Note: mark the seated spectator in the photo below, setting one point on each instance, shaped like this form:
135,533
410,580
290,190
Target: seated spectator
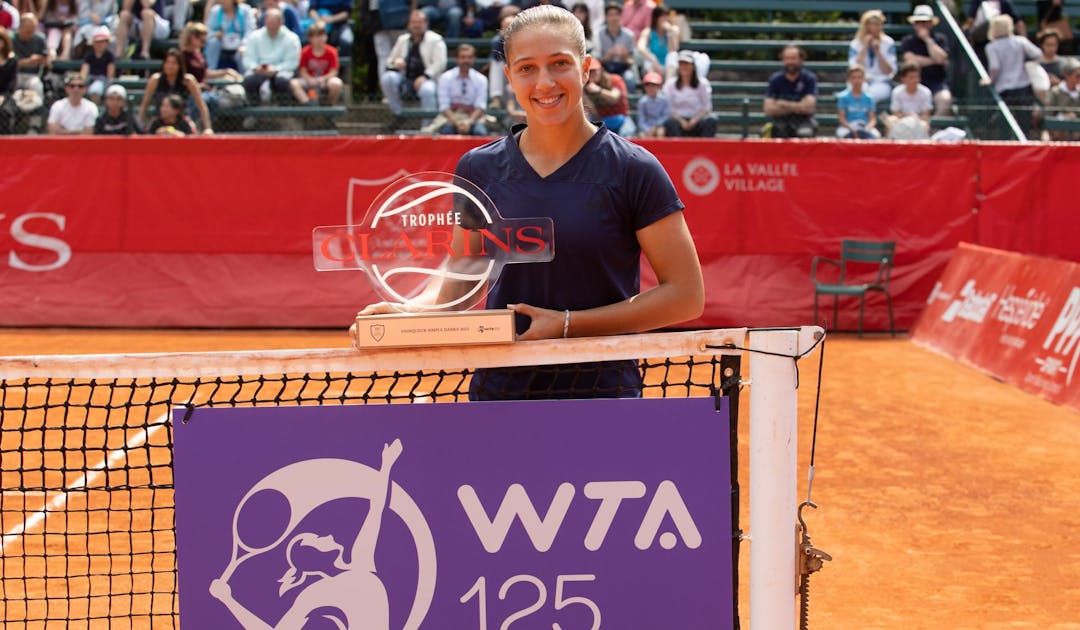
94,15
73,115
318,71
60,23
653,108
271,57
497,63
149,22
690,100
791,98
636,15
9,70
1007,53
875,51
592,36
930,51
229,24
855,109
289,14
910,107
32,55
981,12
9,16
658,44
192,40
1064,101
99,65
463,93
170,120
1050,14
174,79
617,45
116,120
1049,41
607,92
481,16
335,15
446,14
417,58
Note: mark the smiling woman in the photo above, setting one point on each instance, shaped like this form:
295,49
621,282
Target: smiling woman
610,200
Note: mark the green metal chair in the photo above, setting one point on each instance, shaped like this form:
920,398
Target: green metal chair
858,254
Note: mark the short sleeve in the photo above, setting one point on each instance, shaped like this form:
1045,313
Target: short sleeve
651,193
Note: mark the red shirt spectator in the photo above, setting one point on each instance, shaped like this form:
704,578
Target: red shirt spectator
636,15
319,65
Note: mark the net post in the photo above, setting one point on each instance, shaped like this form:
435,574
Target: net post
773,451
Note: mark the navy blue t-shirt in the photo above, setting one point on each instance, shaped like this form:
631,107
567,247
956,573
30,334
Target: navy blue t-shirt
597,200
780,87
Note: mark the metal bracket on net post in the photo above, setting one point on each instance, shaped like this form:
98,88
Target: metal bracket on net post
773,476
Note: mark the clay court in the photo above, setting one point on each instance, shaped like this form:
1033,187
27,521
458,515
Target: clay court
948,500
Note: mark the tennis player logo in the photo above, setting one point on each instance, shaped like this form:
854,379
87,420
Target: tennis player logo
325,581
432,242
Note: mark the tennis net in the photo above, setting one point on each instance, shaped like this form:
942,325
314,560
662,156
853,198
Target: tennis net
87,487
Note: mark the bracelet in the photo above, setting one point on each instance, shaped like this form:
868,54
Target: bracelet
566,325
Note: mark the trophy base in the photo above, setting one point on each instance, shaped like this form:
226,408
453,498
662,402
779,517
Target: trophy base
408,330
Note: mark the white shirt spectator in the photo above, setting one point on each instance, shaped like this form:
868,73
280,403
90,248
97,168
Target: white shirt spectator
1007,56
455,90
919,103
688,102
71,117
282,53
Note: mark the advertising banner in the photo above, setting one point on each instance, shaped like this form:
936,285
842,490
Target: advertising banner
1016,317
568,514
115,231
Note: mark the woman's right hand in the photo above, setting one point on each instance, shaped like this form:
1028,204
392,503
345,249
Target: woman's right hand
382,308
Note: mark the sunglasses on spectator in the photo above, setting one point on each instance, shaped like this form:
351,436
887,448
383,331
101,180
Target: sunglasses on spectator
76,85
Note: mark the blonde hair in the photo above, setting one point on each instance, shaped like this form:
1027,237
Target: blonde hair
866,17
1000,26
547,15
191,29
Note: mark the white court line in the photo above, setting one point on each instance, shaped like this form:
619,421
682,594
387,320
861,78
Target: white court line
91,476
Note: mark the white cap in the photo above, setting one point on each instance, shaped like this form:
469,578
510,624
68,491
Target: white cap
116,90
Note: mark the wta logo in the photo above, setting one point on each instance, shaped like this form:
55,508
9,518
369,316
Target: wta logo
432,241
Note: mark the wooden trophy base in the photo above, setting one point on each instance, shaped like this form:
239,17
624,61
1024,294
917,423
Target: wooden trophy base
409,330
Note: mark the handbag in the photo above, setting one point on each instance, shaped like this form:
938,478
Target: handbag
231,96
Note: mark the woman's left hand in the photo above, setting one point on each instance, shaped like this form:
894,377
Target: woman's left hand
546,323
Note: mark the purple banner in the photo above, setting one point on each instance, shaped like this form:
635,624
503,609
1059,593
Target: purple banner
572,515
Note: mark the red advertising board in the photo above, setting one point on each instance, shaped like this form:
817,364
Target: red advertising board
115,232
1014,316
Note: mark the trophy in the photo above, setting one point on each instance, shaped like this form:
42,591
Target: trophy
431,246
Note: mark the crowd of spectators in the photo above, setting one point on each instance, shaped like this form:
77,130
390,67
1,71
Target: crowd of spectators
642,80
238,55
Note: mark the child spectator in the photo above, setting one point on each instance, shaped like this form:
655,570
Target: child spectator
855,109
99,65
170,120
318,71
73,115
653,108
1049,41
116,120
910,108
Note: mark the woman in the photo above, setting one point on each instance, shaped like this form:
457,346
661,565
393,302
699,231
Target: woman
592,39
93,14
1049,41
659,40
192,40
1007,54
229,23
875,51
690,100
9,68
610,200
60,25
173,78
